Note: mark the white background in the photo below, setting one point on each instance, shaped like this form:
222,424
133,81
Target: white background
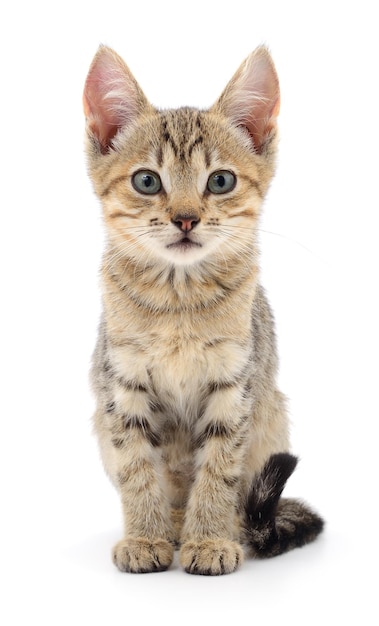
59,515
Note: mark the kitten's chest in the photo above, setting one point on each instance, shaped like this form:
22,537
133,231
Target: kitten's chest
178,372
179,368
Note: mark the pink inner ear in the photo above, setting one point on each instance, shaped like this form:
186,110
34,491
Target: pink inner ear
262,87
110,98
260,121
103,125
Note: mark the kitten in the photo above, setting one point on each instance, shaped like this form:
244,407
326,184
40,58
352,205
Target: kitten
192,429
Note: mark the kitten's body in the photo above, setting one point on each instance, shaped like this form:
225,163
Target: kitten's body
189,417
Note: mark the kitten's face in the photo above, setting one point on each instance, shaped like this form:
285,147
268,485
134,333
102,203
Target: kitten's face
182,187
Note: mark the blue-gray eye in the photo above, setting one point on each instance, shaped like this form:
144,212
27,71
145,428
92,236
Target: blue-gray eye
221,182
146,182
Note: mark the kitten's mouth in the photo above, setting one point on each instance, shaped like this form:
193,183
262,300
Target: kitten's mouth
184,244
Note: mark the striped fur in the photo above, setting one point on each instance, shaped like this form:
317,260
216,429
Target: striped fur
188,412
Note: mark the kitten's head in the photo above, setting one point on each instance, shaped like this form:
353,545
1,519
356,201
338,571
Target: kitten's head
181,186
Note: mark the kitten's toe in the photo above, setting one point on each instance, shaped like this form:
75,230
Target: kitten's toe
211,557
140,555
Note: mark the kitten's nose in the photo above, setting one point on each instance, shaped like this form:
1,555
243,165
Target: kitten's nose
185,222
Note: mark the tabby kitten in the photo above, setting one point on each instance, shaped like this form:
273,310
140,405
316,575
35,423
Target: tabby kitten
192,428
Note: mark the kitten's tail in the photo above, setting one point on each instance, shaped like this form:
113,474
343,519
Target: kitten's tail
274,526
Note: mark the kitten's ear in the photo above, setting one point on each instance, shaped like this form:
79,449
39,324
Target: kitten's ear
252,97
112,97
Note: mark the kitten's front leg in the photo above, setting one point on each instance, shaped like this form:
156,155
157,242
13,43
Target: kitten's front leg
146,546
208,542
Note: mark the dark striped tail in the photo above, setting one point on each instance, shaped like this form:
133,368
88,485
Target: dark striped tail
275,526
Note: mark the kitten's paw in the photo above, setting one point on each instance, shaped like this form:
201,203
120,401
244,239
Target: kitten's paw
211,557
140,555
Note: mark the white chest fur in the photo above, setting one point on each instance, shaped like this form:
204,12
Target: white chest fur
179,371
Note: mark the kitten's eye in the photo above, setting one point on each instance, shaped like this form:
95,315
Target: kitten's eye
146,182
221,182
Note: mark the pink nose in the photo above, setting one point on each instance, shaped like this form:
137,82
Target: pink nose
185,222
